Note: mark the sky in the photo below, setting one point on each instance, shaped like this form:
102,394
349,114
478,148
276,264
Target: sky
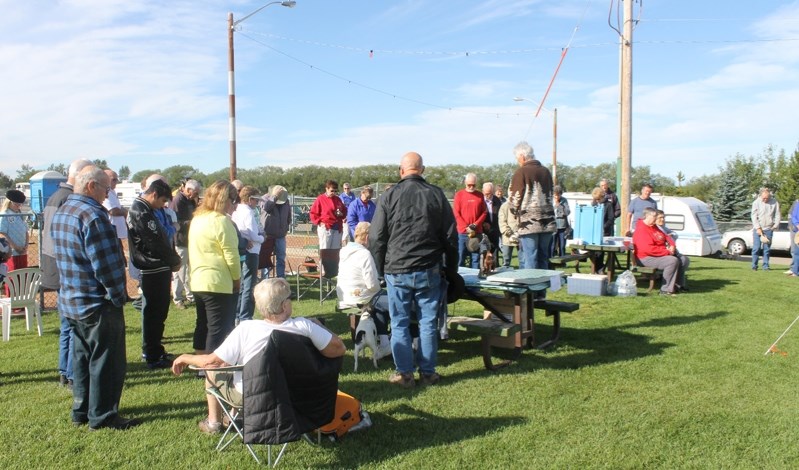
356,82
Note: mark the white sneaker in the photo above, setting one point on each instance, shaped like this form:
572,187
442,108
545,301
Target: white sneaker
382,351
787,272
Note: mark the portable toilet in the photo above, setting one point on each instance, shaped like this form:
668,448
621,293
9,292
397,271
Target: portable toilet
43,185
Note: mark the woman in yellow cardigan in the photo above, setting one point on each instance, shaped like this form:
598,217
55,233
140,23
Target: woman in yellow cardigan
215,266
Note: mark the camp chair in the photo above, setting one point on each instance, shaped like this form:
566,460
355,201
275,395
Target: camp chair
23,285
306,381
322,274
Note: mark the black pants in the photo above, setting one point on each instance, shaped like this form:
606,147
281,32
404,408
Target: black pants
156,295
216,318
98,365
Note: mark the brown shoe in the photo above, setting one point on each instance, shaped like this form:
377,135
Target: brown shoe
209,427
403,380
429,379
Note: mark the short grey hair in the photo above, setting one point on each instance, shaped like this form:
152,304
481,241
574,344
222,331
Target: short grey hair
470,176
193,184
525,150
764,190
87,175
488,184
76,166
269,296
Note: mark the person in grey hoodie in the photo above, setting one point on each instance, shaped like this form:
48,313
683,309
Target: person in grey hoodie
765,219
275,218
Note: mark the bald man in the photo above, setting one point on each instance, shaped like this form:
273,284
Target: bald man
412,230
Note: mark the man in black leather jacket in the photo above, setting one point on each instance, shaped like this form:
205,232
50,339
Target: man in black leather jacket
151,251
412,231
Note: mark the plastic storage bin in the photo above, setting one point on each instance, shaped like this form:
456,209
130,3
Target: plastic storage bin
588,284
588,224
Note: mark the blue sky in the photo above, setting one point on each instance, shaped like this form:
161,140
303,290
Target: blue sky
144,83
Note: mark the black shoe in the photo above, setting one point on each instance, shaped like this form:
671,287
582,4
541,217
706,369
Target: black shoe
80,422
119,423
62,380
159,364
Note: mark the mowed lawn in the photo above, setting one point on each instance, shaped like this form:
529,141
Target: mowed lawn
645,382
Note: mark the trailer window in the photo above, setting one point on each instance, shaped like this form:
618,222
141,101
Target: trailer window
706,222
675,222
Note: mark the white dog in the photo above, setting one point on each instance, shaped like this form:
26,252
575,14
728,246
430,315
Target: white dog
366,337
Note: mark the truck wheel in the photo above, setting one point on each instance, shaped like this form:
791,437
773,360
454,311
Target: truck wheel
736,246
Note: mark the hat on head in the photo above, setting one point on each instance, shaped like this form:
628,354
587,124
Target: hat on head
280,194
14,195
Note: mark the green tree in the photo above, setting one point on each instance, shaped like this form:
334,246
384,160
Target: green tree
732,200
58,167
24,173
702,187
124,172
143,174
5,181
101,163
176,174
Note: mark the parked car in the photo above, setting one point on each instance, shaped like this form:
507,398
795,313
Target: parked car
740,241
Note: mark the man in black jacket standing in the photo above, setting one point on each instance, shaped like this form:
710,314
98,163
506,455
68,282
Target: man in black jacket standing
412,230
184,204
151,251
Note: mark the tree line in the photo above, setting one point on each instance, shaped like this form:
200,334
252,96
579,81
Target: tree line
730,191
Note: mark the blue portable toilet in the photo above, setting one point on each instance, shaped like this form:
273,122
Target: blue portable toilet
43,185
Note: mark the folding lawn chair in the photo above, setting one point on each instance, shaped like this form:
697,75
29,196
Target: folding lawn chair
322,274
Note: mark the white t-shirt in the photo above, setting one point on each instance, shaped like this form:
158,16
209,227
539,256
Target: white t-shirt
112,202
250,338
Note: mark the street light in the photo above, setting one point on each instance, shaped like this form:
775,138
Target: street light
231,83
554,113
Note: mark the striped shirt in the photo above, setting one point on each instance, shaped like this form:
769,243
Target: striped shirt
88,257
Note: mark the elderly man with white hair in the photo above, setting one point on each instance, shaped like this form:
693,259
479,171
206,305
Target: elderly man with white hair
530,199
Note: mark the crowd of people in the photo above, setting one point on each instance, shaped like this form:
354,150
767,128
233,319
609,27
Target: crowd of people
225,255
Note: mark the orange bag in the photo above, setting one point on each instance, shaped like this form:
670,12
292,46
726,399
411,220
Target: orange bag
348,414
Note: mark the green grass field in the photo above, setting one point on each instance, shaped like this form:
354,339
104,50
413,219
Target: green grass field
634,383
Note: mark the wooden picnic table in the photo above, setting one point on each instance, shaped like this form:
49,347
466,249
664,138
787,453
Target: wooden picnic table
612,261
510,297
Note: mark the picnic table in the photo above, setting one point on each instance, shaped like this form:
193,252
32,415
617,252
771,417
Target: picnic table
613,250
510,297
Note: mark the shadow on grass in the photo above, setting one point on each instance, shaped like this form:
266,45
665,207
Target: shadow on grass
399,431
678,320
14,377
707,285
590,347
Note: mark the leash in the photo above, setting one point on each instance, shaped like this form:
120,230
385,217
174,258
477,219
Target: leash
773,347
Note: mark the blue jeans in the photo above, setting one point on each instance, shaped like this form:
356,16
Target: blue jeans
535,249
463,253
421,289
280,257
99,364
66,348
245,305
794,255
757,245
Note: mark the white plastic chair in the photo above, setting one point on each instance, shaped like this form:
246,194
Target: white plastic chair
23,285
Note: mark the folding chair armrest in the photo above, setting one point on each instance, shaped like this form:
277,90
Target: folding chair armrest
219,368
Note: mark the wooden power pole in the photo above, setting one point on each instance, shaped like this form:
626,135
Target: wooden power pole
626,122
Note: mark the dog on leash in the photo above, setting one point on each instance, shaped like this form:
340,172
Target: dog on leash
366,337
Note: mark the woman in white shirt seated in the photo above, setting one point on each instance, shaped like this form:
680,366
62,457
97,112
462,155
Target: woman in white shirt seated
359,285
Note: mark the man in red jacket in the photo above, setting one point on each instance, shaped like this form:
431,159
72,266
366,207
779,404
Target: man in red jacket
655,249
329,213
470,213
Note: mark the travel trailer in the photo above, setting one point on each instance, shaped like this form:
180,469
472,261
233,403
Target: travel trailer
690,218
127,192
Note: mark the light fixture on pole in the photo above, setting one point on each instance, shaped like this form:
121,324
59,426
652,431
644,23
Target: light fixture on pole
554,113
231,83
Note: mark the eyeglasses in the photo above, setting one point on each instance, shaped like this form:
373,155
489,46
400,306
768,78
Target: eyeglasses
106,188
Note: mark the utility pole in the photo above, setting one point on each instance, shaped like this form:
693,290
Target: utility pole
626,131
555,146
231,90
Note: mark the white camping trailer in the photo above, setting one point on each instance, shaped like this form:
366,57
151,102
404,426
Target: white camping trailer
690,218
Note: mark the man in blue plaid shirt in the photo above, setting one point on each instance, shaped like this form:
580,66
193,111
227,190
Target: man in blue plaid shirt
92,271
